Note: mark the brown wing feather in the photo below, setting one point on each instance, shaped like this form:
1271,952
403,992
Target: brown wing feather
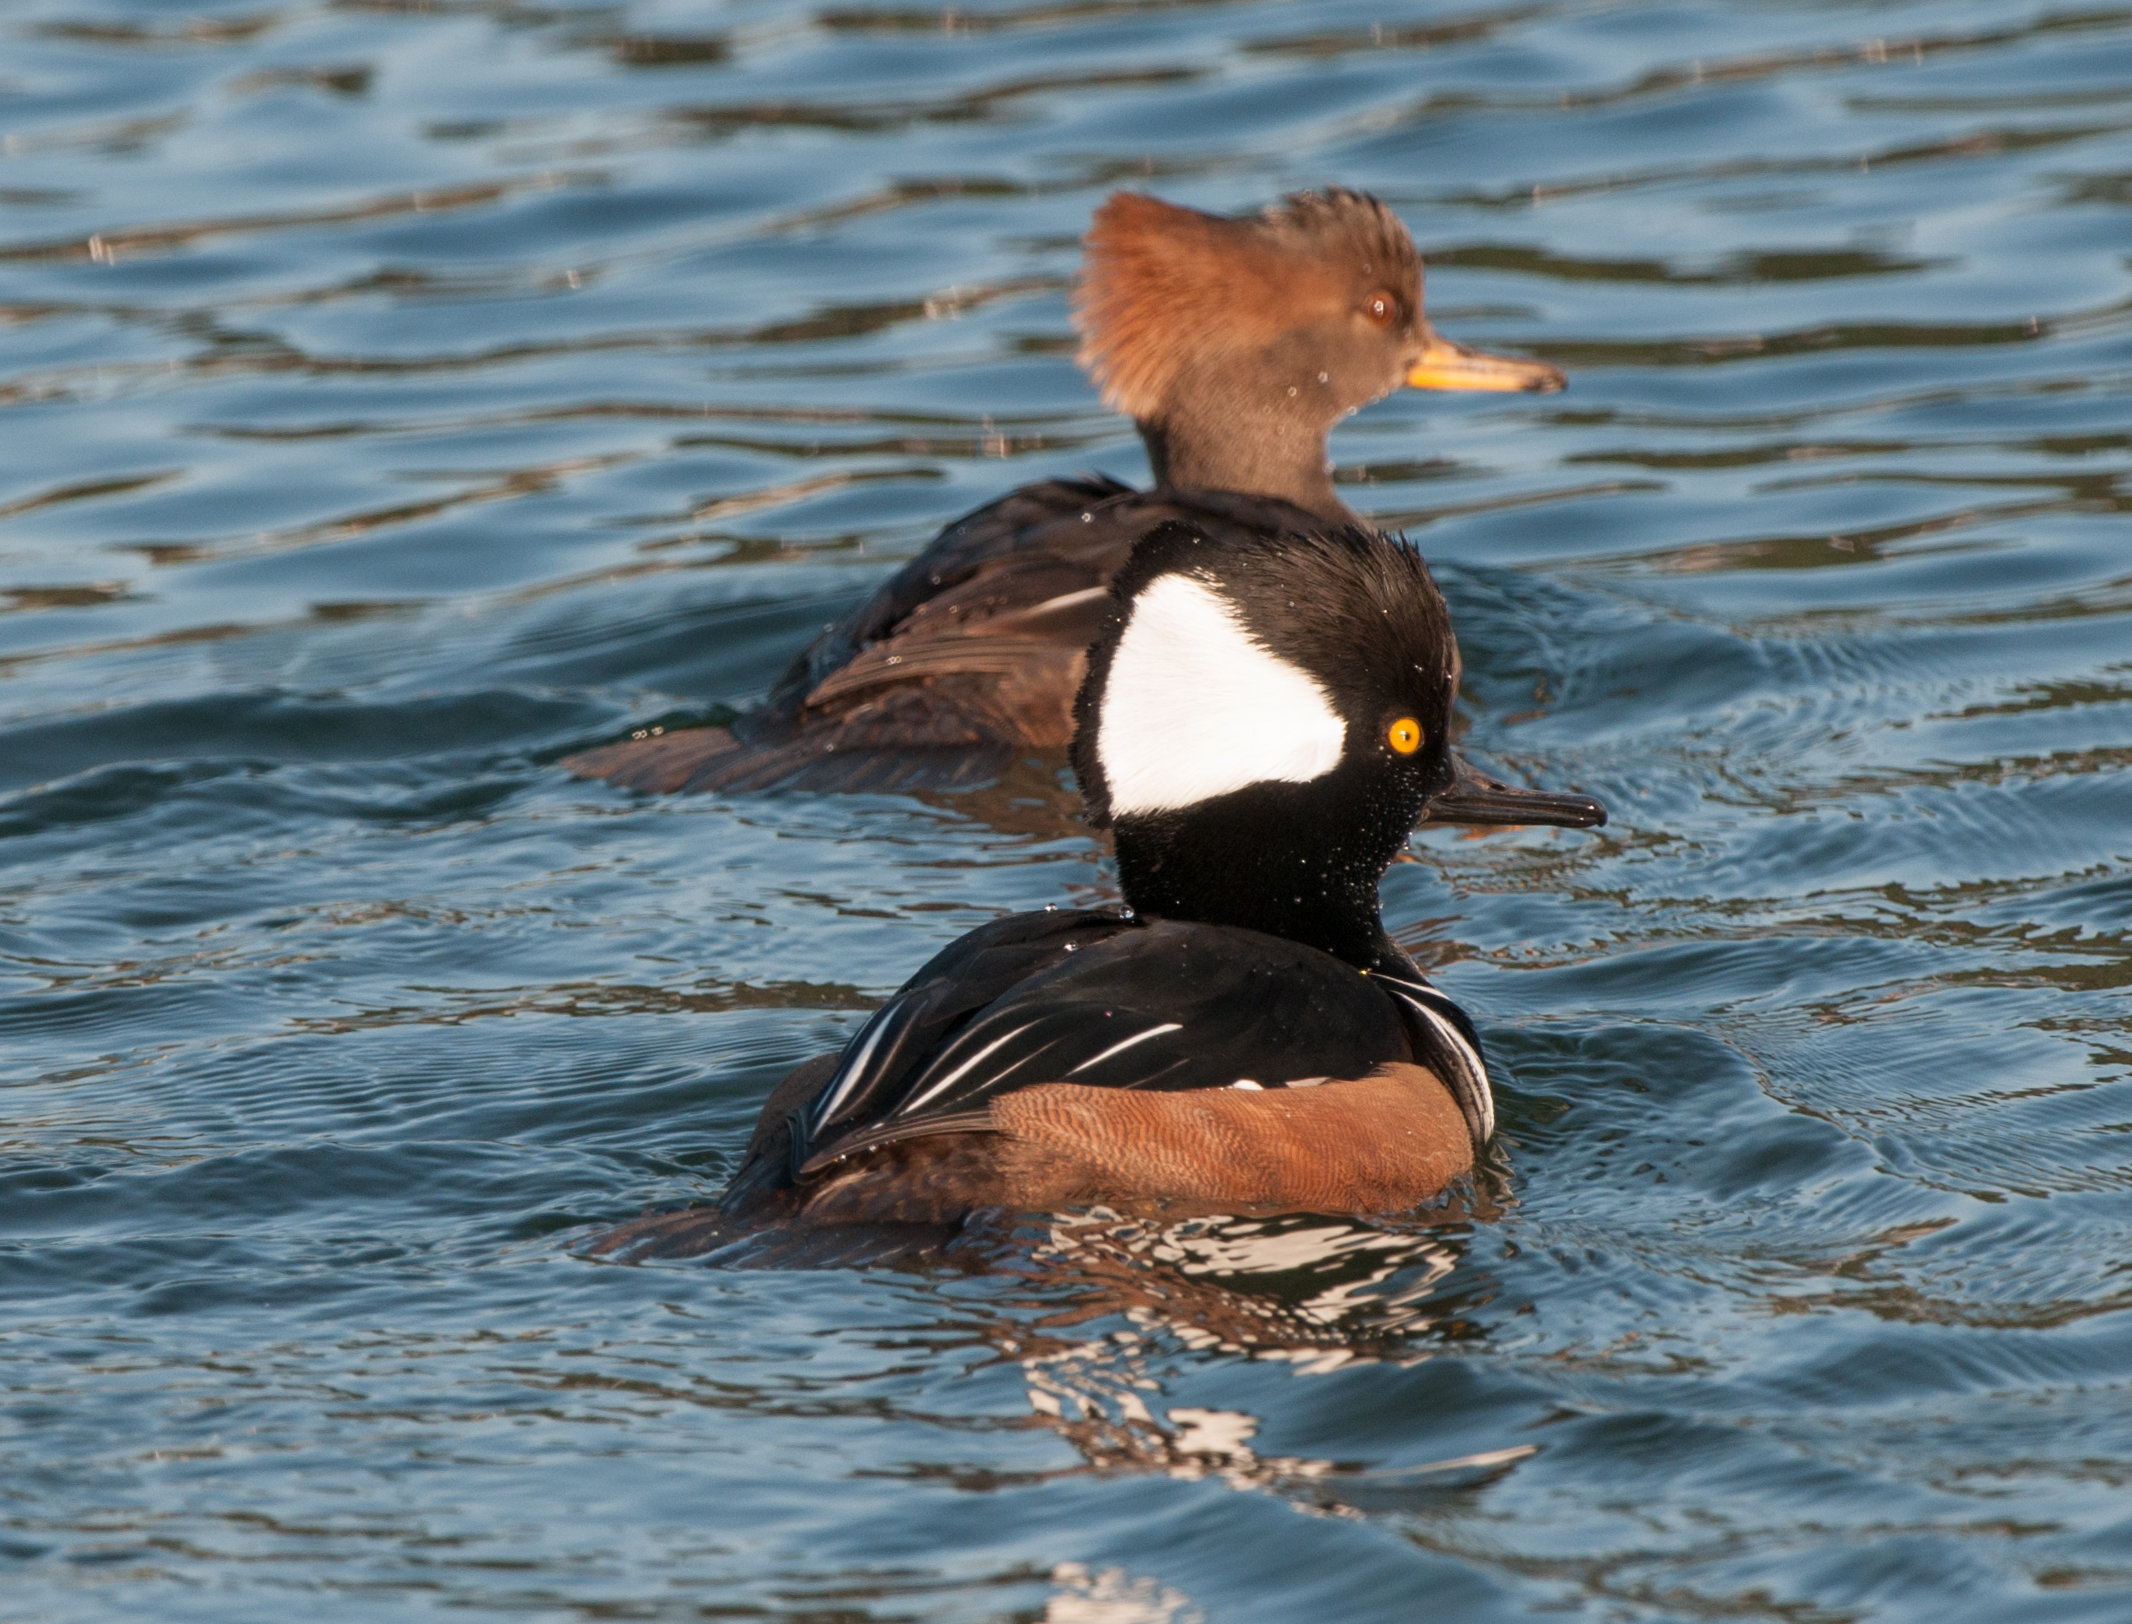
1377,1144
968,657
658,765
1382,1143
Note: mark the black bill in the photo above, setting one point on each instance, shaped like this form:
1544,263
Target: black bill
1474,797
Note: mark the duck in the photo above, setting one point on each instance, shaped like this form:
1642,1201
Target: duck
1234,345
1263,720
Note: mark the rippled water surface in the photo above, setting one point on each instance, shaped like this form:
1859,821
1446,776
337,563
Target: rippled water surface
396,396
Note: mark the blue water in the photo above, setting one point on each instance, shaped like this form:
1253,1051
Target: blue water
395,397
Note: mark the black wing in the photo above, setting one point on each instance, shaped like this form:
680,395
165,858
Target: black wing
1444,1040
952,989
1160,1005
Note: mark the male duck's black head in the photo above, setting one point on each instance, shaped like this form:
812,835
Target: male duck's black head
1265,720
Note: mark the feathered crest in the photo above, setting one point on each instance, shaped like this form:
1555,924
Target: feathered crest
1379,619
1161,282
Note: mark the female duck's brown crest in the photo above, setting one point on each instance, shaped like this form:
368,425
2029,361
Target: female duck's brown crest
1161,283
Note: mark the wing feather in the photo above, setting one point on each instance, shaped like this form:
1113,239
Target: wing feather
1161,1005
967,656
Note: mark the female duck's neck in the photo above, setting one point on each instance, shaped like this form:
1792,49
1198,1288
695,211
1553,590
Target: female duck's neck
1270,454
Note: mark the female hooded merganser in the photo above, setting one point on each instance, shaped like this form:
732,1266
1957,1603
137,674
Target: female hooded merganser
1234,345
1263,720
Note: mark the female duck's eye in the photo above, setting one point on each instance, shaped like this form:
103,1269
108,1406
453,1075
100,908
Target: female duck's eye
1381,308
1404,735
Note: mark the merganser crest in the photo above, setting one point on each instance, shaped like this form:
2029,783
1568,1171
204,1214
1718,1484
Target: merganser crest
1197,707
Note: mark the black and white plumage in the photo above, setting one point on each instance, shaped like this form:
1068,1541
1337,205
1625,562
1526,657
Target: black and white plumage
1235,345
964,660
1263,721
1105,1000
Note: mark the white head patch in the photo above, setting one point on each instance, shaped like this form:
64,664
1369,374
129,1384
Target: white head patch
1196,706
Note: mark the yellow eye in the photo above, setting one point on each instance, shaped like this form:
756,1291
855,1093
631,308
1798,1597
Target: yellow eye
1404,736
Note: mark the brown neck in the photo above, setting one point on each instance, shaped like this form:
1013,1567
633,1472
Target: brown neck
1211,438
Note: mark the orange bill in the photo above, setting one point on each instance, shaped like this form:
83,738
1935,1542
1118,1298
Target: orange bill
1445,365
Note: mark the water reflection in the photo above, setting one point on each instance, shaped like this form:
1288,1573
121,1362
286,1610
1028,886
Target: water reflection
1095,1307
1316,1292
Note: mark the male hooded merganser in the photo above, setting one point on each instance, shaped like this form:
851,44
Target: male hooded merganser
1263,720
1234,345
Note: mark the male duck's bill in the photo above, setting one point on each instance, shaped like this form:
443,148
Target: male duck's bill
1264,719
1476,798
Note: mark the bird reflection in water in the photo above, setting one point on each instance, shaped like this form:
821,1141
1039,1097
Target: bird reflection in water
1315,1291
1112,1596
1097,1301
